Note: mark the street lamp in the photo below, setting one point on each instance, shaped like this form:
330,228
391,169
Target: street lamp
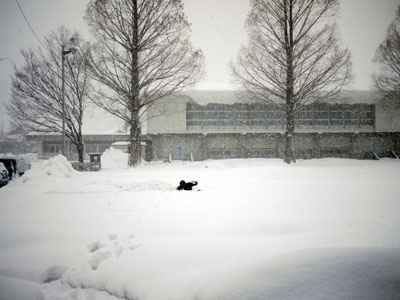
63,54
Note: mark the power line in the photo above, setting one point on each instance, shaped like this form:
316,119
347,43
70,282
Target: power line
27,22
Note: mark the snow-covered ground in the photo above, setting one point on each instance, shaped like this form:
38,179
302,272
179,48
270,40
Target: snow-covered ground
254,229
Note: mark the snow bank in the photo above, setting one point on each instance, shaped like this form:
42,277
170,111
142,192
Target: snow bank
113,159
19,289
58,166
244,235
311,274
55,167
329,274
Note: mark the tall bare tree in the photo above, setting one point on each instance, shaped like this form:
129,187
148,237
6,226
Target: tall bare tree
387,80
36,100
142,54
293,58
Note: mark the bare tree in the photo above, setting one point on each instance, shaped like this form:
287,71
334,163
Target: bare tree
36,101
293,58
142,54
387,81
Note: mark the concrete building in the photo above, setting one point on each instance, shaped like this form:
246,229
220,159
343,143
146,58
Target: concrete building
213,125
203,125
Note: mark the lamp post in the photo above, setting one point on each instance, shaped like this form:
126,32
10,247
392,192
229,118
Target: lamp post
63,54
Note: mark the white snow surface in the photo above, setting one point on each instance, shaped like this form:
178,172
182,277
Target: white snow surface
325,229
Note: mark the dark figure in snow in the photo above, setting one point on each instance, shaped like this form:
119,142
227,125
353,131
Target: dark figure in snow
187,186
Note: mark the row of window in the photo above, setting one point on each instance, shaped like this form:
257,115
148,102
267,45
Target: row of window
248,115
52,148
277,123
273,153
270,107
277,115
89,148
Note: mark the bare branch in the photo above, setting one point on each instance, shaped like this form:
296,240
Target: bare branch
293,58
387,80
142,54
36,103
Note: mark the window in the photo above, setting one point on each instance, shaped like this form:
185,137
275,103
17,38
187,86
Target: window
261,153
223,153
303,153
52,148
194,115
269,116
96,148
335,152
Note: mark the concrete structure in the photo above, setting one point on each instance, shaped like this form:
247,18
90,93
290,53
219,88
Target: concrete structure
202,125
213,125
49,145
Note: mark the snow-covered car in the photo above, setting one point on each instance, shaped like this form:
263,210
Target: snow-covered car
15,164
11,166
3,175
23,165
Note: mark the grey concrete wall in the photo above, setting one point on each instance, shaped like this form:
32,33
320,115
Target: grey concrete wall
167,116
57,139
387,117
307,145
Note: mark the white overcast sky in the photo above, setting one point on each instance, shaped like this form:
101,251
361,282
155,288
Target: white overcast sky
217,28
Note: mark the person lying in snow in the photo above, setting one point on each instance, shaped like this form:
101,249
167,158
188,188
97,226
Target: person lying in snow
187,186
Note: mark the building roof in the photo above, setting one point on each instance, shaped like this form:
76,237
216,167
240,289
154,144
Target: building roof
232,96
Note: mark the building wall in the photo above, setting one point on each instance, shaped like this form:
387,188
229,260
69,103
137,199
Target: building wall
214,131
387,117
167,116
51,145
181,116
181,129
271,145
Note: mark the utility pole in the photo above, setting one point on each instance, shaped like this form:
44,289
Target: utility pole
63,54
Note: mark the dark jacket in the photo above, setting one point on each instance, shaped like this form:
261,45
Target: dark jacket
187,186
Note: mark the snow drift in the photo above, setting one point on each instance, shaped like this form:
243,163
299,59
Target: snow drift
55,167
256,229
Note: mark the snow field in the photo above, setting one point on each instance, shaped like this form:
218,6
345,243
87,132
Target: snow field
257,229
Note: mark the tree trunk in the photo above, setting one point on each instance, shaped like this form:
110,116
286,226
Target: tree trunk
80,150
135,148
135,132
80,147
289,153
289,147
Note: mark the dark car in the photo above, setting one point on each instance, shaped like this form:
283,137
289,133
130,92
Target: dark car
11,166
3,175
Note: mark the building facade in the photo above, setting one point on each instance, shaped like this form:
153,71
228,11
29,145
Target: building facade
357,126
220,124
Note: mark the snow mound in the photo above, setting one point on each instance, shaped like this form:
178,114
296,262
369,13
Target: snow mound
325,273
113,159
19,289
331,274
52,274
56,167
